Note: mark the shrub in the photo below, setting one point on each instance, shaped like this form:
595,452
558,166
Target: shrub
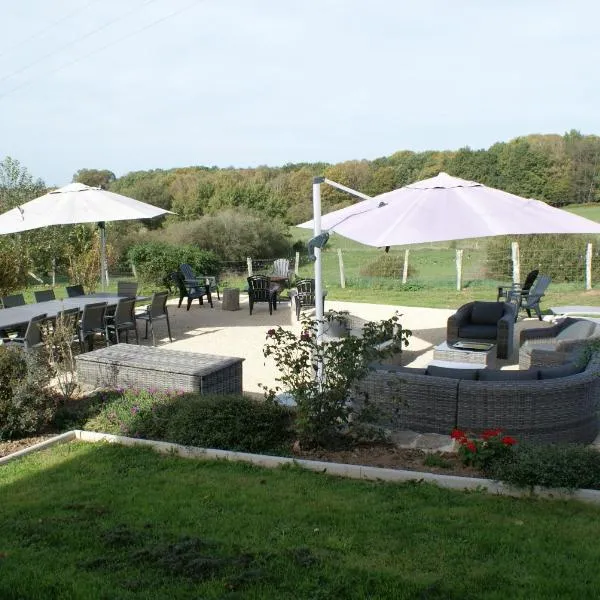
155,260
324,411
231,422
387,265
554,465
25,403
233,235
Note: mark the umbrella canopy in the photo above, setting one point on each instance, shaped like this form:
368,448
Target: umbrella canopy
448,208
75,203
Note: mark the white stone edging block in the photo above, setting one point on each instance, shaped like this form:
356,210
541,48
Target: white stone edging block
454,482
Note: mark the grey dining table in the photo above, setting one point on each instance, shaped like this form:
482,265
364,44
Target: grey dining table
17,316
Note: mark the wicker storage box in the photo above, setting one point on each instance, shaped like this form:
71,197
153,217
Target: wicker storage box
132,366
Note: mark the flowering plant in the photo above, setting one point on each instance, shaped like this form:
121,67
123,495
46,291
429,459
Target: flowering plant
480,451
320,375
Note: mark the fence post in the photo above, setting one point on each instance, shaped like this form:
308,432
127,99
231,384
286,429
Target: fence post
297,264
459,266
341,262
249,263
405,266
588,267
516,264
134,270
53,271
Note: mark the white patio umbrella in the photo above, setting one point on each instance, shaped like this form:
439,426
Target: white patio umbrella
77,203
448,208
437,209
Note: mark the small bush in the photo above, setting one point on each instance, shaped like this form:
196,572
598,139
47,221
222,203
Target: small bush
228,422
13,267
555,466
25,404
155,260
387,265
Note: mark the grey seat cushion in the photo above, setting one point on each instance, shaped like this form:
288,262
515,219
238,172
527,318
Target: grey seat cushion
508,375
398,369
576,331
436,371
487,313
478,332
562,371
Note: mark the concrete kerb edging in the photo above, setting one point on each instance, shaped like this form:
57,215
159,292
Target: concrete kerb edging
343,470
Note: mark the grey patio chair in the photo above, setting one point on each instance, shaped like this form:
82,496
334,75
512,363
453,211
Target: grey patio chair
75,290
504,292
530,300
156,310
44,295
32,337
190,289
13,300
127,289
122,320
92,323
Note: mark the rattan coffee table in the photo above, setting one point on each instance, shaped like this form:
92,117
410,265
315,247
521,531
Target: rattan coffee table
484,357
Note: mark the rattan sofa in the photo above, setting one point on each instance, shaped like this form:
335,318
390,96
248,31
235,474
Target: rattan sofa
560,409
556,345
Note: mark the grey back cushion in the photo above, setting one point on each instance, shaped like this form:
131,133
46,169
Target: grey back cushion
491,375
436,371
577,331
562,371
378,367
487,313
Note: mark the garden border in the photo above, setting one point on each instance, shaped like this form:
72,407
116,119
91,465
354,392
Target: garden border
454,482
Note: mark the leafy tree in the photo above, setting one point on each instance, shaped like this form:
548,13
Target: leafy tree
95,177
17,185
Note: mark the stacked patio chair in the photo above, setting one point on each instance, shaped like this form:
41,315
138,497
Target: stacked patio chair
281,271
155,311
530,300
505,292
190,289
199,280
44,295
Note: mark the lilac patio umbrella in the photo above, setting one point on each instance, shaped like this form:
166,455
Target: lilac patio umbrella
448,208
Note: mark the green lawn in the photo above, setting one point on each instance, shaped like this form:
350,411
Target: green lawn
100,521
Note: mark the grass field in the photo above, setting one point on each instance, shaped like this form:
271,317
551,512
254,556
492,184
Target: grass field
102,521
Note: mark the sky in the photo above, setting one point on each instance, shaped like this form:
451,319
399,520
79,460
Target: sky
130,85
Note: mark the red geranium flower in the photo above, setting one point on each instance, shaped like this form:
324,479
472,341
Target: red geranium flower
457,434
509,441
471,446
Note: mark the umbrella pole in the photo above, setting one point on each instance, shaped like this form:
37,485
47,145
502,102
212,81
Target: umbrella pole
102,227
318,263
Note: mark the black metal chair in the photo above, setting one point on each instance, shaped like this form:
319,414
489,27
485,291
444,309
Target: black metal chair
122,320
33,335
190,289
530,300
44,295
127,289
260,289
156,310
304,295
92,323
505,292
75,290
13,300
